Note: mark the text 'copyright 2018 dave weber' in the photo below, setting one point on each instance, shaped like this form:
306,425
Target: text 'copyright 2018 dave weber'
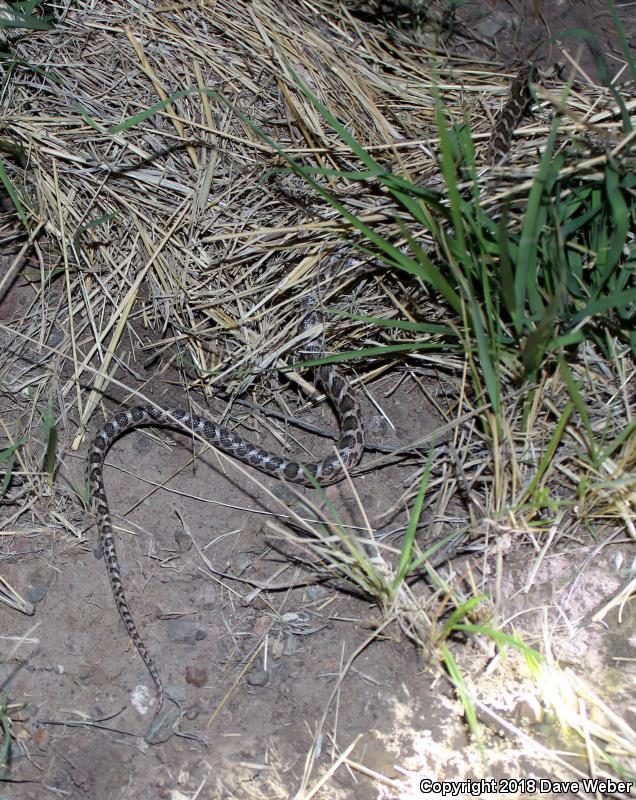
486,786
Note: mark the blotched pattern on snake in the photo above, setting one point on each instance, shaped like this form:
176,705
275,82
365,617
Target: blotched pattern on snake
326,471
510,116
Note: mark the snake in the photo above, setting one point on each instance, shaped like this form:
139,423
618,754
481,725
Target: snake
323,472
510,116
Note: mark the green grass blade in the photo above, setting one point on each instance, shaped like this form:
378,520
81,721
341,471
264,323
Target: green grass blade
620,220
393,324
49,430
406,560
460,613
324,112
602,304
19,16
485,359
401,190
579,402
450,177
627,50
430,551
7,457
141,116
95,223
617,442
506,274
13,194
469,707
540,340
527,266
5,724
502,640
369,352
555,439
422,268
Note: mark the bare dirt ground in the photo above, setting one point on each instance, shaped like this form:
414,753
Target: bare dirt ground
253,670
252,667
518,30
204,630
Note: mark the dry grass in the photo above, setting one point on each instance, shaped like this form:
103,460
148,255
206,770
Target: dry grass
172,249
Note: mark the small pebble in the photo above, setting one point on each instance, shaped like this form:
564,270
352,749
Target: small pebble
161,728
37,592
56,336
183,540
41,738
185,631
143,444
192,712
196,676
240,563
205,598
315,592
16,750
258,677
177,691
292,644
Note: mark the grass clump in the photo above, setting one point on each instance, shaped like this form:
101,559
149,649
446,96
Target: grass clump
500,300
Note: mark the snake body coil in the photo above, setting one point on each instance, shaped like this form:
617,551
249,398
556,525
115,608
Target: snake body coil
510,116
326,471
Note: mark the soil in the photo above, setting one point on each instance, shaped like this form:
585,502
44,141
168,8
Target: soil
515,31
253,670
268,660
